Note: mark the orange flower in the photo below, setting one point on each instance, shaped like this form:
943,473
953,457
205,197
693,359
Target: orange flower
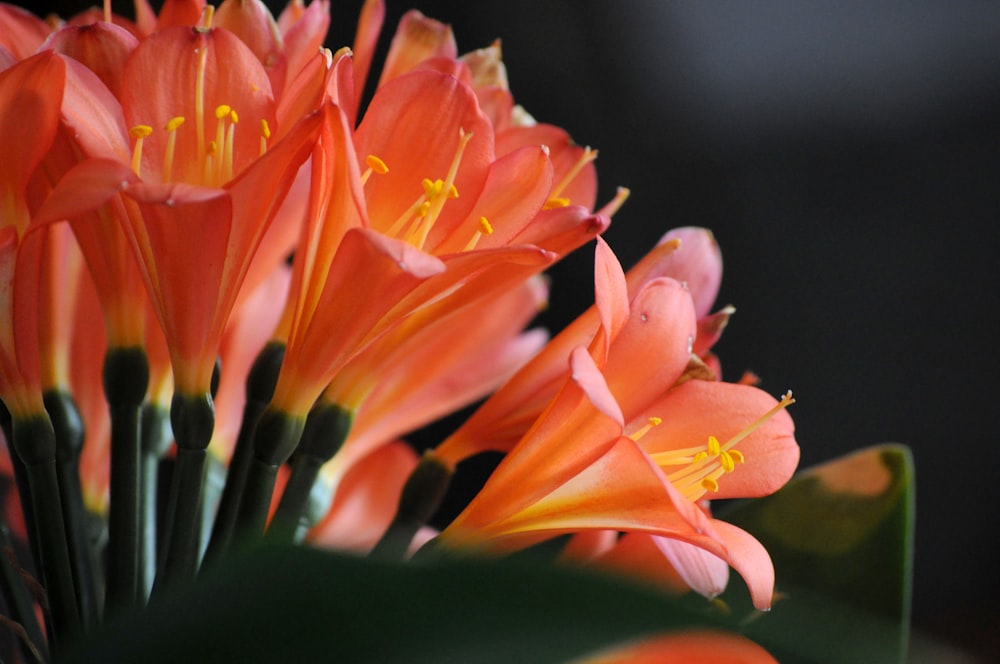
202,186
30,96
418,373
690,647
508,413
598,459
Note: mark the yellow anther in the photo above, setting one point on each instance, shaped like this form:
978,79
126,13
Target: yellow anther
708,484
168,153
222,110
485,227
139,133
424,208
713,446
452,191
726,461
206,17
587,157
377,165
432,189
650,423
234,117
615,204
554,203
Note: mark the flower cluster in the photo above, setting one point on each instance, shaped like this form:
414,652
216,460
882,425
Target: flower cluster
287,285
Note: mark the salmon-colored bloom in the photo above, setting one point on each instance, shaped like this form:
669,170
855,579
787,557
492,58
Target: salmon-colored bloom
586,463
689,647
30,97
202,185
687,255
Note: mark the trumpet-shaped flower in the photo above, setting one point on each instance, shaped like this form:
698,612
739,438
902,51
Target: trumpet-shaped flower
687,256
30,97
585,463
202,185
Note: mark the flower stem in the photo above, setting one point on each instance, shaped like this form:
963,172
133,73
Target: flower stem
422,495
126,375
21,482
155,441
19,601
325,430
192,418
34,441
275,438
68,429
260,386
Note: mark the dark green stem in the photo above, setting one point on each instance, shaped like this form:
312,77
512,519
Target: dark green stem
19,601
68,429
21,482
34,441
126,376
192,418
275,438
422,495
325,431
156,439
260,386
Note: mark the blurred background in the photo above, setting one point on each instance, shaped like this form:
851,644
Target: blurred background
846,157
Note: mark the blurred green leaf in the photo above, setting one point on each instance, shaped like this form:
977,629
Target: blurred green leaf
300,605
841,537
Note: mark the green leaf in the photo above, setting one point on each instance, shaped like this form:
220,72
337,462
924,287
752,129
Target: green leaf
301,605
841,538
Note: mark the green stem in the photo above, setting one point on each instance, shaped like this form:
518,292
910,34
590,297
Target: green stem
19,601
260,386
21,482
422,495
68,429
275,438
34,441
126,376
192,418
325,431
155,441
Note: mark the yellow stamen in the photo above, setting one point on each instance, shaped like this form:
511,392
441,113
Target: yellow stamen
485,228
376,164
199,103
652,422
554,203
615,204
587,157
227,156
206,17
168,153
139,133
703,468
437,193
265,133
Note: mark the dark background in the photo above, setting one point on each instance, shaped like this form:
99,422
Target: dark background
845,156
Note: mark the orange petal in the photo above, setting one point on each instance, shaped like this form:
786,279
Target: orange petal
652,349
697,409
413,124
693,647
417,38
